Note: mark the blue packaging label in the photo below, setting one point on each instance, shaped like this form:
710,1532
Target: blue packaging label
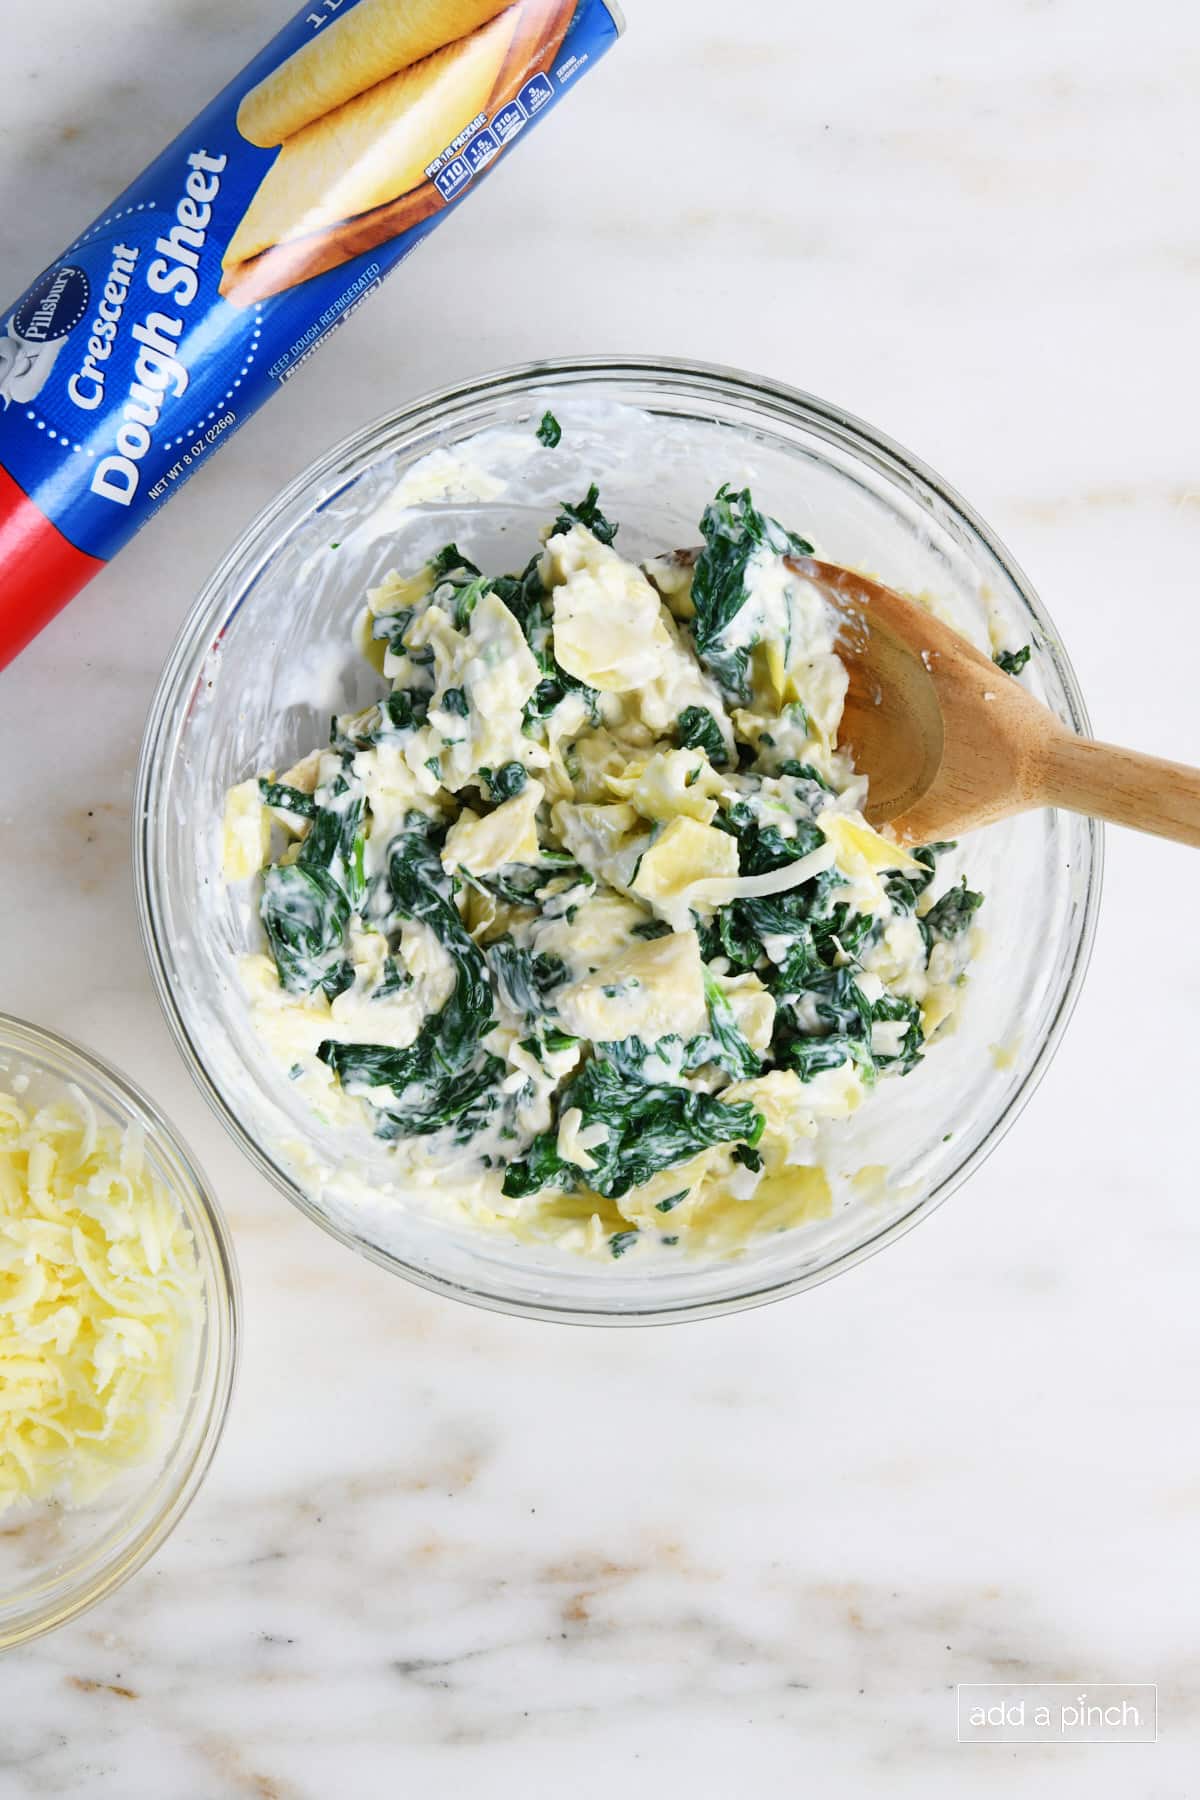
211,280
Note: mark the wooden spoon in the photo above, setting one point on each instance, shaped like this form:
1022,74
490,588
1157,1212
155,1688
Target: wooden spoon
950,742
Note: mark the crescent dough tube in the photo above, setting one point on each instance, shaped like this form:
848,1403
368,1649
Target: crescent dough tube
356,179
375,147
139,351
362,48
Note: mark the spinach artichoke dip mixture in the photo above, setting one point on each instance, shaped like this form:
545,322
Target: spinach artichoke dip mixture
583,917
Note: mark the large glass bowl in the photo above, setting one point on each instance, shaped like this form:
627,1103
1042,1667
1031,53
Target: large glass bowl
266,655
56,1561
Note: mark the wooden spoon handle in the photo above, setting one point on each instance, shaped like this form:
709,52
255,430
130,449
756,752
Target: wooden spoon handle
1120,785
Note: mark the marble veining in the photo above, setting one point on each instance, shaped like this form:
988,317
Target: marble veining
442,1552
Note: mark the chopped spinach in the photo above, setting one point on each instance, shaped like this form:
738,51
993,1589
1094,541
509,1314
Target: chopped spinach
506,781
764,848
628,1055
401,710
809,1056
466,599
549,432
842,931
526,982
306,905
547,695
556,683
454,700
845,1017
406,708
839,1001
804,772
649,1128
431,1077
305,913
1013,661
521,884
733,1052
586,512
517,884
733,532
467,1102
451,569
651,928
287,799
449,561
951,915
621,1241
674,1200
796,918
894,1007
808,790
394,980
904,888
698,730
389,628
526,599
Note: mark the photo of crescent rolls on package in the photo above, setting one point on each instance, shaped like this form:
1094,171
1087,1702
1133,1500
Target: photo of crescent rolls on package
360,113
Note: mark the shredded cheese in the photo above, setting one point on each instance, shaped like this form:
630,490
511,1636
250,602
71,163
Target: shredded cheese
100,1293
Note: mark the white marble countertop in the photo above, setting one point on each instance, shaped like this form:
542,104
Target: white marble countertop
441,1551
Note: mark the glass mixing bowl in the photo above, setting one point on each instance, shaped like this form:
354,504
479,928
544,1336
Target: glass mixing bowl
55,1561
266,655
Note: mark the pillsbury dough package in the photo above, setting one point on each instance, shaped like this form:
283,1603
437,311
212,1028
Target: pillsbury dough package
266,223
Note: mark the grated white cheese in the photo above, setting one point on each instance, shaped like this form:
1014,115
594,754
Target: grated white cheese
100,1294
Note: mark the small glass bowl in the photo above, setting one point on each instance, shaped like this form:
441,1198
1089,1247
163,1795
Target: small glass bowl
267,654
57,1561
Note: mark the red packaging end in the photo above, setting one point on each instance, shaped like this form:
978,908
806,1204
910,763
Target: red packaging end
42,571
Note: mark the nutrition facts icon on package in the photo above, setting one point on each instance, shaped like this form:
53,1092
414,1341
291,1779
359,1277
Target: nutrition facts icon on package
509,120
454,177
536,94
481,149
